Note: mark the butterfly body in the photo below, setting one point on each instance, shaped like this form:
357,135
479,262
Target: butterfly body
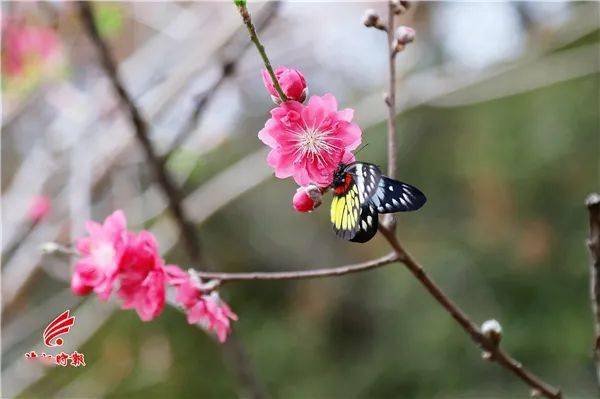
361,193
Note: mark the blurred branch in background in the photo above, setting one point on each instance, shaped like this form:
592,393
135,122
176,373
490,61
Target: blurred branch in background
239,361
228,67
593,205
141,127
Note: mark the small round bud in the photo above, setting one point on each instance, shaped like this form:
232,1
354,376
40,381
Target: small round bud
492,330
535,393
400,7
404,35
49,248
370,18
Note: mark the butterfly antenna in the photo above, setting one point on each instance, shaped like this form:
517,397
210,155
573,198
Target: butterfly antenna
361,148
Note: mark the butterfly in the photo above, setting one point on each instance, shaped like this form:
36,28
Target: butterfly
361,193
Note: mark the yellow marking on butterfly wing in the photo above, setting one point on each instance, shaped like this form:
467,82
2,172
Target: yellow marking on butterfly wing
346,216
340,212
333,211
353,211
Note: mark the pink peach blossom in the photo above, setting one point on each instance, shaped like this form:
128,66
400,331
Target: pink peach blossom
39,207
141,275
100,255
208,310
211,312
309,141
292,83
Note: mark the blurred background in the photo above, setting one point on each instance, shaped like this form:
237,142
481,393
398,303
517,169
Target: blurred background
498,124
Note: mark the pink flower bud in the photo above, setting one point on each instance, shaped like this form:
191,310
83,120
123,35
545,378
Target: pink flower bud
307,198
292,83
39,208
404,35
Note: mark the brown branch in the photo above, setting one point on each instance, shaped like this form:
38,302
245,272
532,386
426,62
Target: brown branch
303,274
490,346
491,349
142,133
390,99
593,205
234,350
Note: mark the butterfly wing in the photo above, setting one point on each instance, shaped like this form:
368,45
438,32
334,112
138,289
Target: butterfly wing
395,196
367,224
345,210
366,177
355,208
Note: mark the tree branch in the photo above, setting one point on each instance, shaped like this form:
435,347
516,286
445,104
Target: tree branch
300,275
492,350
241,5
242,367
142,134
390,99
593,205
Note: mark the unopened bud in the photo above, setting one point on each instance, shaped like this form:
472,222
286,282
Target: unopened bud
535,393
404,35
400,7
307,198
49,248
492,330
370,18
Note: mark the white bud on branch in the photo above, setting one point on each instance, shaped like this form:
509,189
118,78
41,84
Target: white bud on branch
492,330
49,248
370,18
400,6
404,35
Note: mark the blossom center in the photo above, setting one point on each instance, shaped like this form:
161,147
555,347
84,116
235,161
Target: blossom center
314,143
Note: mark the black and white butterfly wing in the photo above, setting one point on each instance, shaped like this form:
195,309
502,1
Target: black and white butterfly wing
395,196
367,224
353,217
367,177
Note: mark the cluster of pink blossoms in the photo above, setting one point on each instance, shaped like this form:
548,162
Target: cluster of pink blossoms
113,258
308,141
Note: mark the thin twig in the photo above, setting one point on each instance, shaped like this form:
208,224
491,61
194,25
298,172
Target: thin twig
593,205
261,49
246,374
302,274
491,348
390,99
